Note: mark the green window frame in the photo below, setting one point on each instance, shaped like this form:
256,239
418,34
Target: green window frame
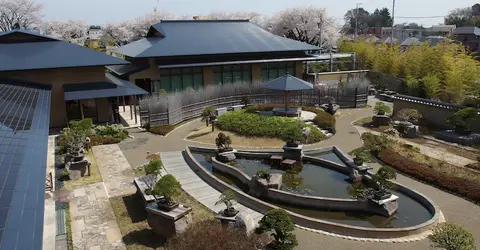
232,73
178,79
270,71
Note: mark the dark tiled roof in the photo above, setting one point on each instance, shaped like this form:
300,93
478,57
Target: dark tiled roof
111,87
208,37
410,41
39,53
24,120
467,30
434,40
124,70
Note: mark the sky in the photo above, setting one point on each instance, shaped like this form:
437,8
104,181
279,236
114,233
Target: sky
99,12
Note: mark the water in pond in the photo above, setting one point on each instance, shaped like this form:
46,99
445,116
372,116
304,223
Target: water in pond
321,181
329,156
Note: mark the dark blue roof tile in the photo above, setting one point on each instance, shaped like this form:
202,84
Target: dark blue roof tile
208,37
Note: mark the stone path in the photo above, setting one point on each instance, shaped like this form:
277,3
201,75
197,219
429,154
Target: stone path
175,164
428,151
115,170
94,226
49,220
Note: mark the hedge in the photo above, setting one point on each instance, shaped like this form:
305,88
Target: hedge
249,124
463,186
323,119
161,129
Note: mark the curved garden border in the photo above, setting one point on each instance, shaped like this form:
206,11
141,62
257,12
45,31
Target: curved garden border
317,224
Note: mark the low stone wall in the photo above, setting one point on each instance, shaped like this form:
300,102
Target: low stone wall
235,172
305,221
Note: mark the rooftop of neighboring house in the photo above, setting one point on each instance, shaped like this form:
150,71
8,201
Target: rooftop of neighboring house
467,30
27,50
411,41
209,37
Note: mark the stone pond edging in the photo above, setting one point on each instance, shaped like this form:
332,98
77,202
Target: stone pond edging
331,228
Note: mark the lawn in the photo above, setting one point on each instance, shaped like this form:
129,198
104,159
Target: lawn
366,122
94,177
132,220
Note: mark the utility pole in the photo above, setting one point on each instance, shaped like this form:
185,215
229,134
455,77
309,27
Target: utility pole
356,20
393,21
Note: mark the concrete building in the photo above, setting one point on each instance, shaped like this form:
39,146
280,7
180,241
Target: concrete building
176,55
80,87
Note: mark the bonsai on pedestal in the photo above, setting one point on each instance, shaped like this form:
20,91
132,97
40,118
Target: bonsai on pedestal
464,120
264,174
223,143
152,170
207,113
360,157
228,198
293,136
381,108
168,187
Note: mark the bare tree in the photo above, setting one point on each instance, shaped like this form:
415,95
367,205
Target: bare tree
311,25
26,14
73,31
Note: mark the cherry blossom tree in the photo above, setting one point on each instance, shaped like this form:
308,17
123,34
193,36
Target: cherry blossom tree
23,14
311,25
254,17
132,30
74,31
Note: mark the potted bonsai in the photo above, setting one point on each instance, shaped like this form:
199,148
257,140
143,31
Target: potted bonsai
152,170
381,108
293,136
223,143
464,120
228,198
360,157
280,225
207,113
246,100
264,174
168,187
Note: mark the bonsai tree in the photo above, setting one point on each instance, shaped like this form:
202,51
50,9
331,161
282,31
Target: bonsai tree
381,108
169,188
223,142
280,224
153,167
207,113
408,115
228,198
293,136
246,100
465,120
264,174
384,174
361,156
450,236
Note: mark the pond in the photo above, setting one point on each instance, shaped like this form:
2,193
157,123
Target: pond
321,181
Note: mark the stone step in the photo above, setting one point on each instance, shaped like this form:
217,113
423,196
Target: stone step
309,123
329,135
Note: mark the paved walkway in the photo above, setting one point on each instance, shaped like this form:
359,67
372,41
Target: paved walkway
49,220
428,151
94,226
175,164
115,170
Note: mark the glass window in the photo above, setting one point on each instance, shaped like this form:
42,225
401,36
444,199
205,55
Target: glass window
247,77
217,78
198,70
198,81
237,76
187,81
176,83
165,83
264,75
177,71
187,71
227,77
165,72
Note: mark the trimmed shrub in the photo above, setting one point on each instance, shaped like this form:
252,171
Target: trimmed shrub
209,234
99,140
466,187
450,236
161,129
280,224
376,143
408,115
115,130
263,107
467,118
153,167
